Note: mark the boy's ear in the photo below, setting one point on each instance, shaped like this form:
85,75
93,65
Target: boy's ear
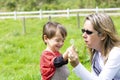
45,38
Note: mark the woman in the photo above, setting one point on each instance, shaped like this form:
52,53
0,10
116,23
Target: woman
104,45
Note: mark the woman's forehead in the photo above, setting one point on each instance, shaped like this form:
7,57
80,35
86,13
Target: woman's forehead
88,25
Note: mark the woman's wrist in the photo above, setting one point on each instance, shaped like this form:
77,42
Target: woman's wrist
74,63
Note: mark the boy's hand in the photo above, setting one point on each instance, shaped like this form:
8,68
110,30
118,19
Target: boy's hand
73,56
65,55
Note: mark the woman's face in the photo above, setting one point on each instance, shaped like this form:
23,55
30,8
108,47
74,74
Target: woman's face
91,36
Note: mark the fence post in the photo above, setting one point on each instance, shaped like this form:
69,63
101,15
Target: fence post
78,20
40,14
96,9
49,18
24,27
68,12
15,15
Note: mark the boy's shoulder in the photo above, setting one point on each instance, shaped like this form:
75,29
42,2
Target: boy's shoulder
49,53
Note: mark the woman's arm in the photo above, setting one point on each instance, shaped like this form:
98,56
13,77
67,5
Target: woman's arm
108,72
83,73
112,65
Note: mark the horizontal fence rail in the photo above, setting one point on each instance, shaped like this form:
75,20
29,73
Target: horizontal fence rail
58,13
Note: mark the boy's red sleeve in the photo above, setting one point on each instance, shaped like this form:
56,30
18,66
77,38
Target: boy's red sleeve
47,67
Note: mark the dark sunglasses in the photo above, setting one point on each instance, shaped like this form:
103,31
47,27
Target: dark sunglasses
87,31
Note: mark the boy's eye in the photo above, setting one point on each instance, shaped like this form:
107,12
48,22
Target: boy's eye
59,40
62,40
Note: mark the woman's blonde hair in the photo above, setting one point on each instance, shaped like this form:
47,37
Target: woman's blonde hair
104,25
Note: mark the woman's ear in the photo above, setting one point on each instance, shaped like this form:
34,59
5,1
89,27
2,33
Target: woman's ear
102,36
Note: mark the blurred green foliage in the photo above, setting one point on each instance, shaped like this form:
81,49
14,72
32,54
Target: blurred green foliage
32,5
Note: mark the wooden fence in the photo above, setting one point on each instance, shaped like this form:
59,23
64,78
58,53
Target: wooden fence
58,13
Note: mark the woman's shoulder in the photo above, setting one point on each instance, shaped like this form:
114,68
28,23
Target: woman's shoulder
115,52
116,48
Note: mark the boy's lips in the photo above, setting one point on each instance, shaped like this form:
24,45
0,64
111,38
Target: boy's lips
58,46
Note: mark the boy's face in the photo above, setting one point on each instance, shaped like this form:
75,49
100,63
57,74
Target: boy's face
56,42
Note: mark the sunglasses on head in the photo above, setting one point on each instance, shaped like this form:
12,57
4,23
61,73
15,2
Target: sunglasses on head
87,31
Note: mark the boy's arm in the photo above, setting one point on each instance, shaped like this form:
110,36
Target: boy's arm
62,60
59,61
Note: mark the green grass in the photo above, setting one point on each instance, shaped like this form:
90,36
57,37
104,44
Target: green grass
20,53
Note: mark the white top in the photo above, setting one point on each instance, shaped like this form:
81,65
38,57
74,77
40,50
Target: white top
109,71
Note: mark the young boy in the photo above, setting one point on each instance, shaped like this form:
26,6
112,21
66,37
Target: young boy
52,62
